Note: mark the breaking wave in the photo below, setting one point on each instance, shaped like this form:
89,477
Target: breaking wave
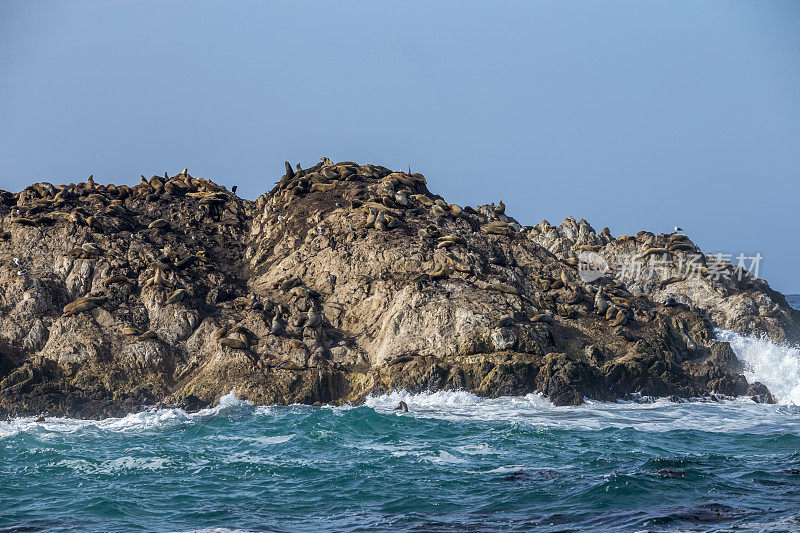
776,366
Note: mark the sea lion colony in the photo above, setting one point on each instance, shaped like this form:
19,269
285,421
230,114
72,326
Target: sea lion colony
342,281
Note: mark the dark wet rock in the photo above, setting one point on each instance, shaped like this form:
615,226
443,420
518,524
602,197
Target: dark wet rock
759,393
342,281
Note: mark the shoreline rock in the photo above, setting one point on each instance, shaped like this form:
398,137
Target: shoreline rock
344,280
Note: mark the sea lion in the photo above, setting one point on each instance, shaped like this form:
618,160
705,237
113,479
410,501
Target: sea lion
402,406
652,251
176,296
442,273
498,227
628,336
313,319
665,282
542,317
503,287
255,303
380,221
85,303
186,261
600,303
115,279
158,224
147,335
94,224
424,200
289,171
229,342
371,216
220,332
277,326
575,298
621,319
91,248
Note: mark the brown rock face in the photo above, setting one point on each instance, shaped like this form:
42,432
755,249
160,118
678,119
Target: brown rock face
343,281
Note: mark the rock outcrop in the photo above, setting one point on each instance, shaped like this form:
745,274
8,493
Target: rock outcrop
344,280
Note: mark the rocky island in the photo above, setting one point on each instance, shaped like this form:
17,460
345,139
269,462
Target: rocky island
347,280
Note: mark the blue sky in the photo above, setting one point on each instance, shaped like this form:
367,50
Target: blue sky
634,115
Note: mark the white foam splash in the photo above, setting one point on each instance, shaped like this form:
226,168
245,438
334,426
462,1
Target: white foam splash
152,419
774,365
535,411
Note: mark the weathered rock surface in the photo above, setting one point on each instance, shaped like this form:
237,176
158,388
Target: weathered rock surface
343,281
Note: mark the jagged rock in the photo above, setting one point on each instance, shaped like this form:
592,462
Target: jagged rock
178,291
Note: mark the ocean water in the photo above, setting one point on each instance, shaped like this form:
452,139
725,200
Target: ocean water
454,462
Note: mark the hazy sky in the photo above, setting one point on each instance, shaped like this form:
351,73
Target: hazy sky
634,115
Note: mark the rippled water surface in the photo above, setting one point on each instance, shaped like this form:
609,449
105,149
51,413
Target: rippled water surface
454,462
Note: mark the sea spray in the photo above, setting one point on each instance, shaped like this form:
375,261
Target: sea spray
776,366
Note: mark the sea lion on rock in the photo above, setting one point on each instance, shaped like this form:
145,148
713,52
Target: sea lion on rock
255,303
503,287
147,335
498,227
230,342
600,303
277,325
438,211
652,251
176,296
115,279
158,224
628,336
621,319
91,248
424,200
313,319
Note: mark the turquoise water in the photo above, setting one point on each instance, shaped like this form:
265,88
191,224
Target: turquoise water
455,462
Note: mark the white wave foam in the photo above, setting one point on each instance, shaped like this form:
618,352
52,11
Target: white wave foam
532,410
774,365
112,466
477,449
444,458
152,419
276,439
